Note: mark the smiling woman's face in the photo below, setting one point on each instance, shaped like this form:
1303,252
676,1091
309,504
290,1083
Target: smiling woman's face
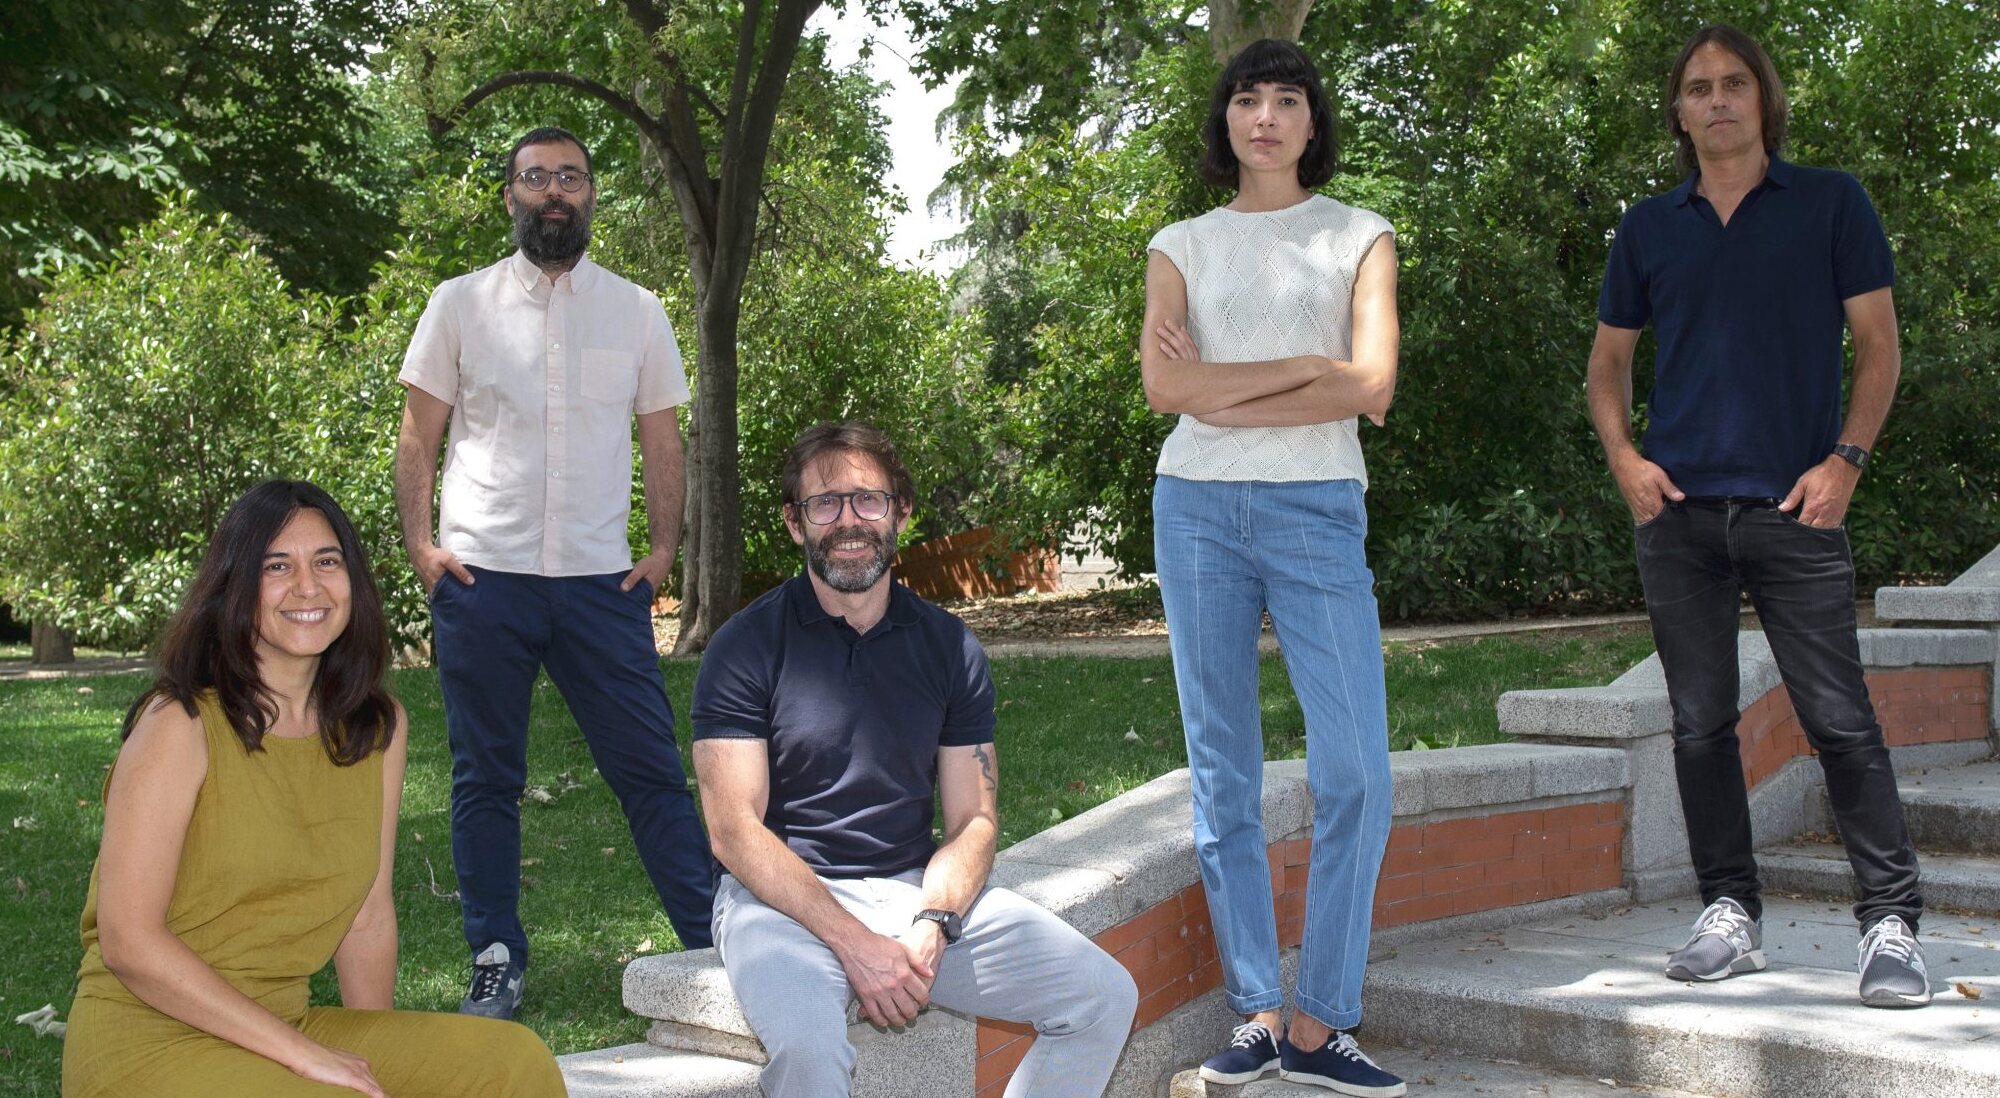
304,595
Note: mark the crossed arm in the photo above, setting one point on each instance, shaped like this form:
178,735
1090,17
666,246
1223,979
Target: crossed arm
890,976
146,813
1284,392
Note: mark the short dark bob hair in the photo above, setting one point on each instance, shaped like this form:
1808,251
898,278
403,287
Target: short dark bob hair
545,135
212,643
1774,108
1268,61
824,440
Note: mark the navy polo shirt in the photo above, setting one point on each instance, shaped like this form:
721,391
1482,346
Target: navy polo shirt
853,721
1747,319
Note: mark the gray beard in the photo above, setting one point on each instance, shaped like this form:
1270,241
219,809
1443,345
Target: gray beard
857,576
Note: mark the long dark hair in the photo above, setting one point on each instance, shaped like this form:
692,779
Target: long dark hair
1774,109
1268,61
212,642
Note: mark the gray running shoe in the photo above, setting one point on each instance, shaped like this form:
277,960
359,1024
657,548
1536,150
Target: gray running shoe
1726,940
496,984
1892,966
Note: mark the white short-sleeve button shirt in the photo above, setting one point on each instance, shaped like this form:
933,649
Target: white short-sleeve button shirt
543,378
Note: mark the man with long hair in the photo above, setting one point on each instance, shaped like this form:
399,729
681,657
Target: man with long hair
539,364
1748,272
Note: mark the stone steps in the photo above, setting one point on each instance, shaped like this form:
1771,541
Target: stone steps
1436,1075
1585,995
1962,882
649,1071
1952,808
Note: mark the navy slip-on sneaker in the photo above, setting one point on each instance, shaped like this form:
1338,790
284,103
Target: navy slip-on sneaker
1339,1066
1252,1052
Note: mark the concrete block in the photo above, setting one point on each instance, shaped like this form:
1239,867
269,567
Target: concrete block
1966,881
1888,648
1143,839
708,1042
1568,771
1972,605
1655,830
1407,778
688,988
935,1054
644,1071
1607,713
1085,898
1465,777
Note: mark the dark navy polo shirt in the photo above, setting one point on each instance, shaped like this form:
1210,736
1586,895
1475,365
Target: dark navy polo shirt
853,722
1748,323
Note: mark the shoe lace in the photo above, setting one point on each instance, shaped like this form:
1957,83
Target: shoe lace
486,981
1346,1046
1888,936
1249,1034
1725,920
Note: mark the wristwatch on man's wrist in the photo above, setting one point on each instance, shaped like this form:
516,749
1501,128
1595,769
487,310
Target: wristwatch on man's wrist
947,921
1852,455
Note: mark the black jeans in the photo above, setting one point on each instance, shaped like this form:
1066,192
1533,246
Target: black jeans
1695,559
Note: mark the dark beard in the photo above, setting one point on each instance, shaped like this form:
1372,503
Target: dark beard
850,578
551,242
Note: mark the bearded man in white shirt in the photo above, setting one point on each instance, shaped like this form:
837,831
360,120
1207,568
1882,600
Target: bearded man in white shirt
539,365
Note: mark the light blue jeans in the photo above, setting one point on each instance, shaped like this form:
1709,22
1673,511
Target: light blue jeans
1226,552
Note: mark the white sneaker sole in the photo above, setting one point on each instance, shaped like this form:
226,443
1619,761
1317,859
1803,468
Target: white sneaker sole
1211,1075
1339,1087
1893,1001
1752,961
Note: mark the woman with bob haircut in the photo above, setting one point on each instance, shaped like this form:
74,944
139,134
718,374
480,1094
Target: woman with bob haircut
250,835
1270,329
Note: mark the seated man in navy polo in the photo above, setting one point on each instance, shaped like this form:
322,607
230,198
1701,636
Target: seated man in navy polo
828,716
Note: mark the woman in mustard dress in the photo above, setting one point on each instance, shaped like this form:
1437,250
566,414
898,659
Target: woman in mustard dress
249,836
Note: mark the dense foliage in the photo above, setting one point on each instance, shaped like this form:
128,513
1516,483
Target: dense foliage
1505,145
149,385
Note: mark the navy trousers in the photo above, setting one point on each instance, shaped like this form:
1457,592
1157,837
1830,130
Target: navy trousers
490,639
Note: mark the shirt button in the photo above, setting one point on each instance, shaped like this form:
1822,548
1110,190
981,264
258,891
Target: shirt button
555,388
555,346
556,430
557,474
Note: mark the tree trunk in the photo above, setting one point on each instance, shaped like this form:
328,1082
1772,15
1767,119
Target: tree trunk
1234,24
52,645
713,545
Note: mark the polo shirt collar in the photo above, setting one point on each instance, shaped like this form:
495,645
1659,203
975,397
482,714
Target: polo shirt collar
807,610
1777,174
581,277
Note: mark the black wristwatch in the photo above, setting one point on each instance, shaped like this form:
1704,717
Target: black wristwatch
947,921
1852,455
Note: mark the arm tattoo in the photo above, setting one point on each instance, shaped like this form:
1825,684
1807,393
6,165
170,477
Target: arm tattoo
985,758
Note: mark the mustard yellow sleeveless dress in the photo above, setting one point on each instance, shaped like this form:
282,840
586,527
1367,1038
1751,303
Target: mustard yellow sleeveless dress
280,852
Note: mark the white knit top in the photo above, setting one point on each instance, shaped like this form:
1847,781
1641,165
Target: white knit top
1264,286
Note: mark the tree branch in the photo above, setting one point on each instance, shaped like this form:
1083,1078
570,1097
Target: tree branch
623,104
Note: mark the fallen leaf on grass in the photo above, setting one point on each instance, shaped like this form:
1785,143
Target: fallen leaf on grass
645,946
85,690
1131,735
27,823
530,861
1967,990
43,1022
539,795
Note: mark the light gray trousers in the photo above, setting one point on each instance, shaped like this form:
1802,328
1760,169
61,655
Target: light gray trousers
1015,962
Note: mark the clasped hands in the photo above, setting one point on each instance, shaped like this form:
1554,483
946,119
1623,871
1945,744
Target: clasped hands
892,977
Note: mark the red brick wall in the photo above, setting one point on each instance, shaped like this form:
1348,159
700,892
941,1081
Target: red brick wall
1455,867
1920,705
1431,870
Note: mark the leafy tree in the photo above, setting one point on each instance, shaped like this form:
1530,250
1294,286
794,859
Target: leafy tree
105,105
144,399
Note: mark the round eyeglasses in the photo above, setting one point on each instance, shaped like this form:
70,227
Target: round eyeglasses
824,509
571,180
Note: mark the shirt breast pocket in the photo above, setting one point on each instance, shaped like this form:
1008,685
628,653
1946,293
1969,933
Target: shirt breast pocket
611,377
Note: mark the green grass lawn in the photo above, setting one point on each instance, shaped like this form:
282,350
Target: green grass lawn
587,903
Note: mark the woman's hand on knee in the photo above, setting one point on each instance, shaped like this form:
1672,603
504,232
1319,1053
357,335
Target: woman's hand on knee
338,1068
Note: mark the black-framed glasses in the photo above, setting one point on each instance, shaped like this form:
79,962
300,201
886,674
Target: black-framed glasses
824,509
571,180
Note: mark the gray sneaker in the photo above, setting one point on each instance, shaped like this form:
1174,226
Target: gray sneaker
1726,940
496,984
1892,966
